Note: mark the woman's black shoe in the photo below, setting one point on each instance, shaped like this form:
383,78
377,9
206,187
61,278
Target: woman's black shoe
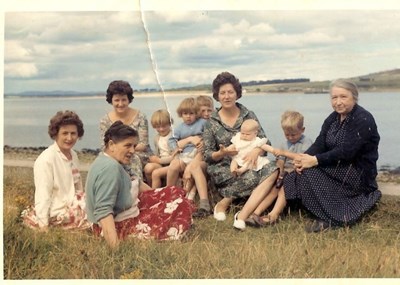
318,226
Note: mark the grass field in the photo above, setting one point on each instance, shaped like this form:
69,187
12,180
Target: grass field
212,250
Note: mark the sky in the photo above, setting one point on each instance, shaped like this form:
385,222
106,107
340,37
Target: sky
84,48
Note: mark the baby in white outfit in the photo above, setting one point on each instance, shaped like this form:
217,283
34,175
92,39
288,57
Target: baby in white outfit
244,142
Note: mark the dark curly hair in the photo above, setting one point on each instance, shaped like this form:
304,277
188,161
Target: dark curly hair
63,118
118,131
226,78
119,87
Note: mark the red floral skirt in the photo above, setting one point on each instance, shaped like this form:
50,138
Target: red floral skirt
165,214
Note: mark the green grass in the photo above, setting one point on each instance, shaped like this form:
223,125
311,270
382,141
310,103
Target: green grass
211,250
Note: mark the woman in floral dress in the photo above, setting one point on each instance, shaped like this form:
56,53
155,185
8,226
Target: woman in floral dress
120,95
120,207
224,123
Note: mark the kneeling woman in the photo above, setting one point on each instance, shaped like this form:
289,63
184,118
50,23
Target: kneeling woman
119,207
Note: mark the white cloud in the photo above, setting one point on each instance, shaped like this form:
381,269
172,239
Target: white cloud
22,70
244,27
191,47
14,51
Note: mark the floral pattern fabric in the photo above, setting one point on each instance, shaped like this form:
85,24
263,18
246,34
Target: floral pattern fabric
216,133
140,124
74,216
165,214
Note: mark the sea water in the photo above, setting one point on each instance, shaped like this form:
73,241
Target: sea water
26,118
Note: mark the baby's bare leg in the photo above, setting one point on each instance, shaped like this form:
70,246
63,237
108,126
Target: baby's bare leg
234,167
242,169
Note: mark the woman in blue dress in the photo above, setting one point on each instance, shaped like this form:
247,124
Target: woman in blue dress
335,179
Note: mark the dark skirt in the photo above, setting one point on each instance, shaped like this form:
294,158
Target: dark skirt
333,194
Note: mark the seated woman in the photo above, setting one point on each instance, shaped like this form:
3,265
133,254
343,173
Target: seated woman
120,96
335,177
120,207
59,196
218,132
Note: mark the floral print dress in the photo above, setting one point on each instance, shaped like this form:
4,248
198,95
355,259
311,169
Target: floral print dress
140,124
216,133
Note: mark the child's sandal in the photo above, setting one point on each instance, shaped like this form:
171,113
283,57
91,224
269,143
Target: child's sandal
267,220
279,181
254,221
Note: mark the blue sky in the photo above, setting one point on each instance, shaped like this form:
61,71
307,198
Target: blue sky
84,48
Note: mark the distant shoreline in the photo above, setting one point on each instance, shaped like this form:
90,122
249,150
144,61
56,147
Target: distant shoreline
27,152
184,93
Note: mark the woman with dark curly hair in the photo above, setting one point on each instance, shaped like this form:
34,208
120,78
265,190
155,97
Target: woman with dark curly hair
120,95
120,207
224,123
59,196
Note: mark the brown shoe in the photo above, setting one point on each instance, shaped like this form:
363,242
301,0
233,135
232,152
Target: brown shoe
279,181
255,221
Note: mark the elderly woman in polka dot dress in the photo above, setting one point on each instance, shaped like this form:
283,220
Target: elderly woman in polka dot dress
336,178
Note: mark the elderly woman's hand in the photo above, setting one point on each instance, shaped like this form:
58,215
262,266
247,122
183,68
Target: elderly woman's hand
303,161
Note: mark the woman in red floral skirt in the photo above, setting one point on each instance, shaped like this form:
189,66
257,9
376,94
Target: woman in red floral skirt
121,207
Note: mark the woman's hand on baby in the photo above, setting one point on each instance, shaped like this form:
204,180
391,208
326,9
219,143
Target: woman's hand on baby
200,146
196,140
252,157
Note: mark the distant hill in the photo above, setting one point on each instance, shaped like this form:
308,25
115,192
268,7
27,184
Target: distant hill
55,93
379,81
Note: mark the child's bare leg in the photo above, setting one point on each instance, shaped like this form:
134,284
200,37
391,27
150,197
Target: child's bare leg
200,182
278,208
234,167
242,169
174,169
192,193
187,178
148,170
157,177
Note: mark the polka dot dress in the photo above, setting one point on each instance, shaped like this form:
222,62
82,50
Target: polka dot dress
333,193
